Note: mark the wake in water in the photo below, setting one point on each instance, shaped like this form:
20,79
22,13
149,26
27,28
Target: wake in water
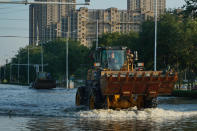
156,115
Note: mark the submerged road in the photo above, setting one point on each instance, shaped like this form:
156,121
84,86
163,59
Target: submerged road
23,108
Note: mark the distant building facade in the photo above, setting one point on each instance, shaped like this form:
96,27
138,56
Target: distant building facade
47,22
147,5
109,20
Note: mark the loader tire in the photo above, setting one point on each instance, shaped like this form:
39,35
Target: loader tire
78,99
106,103
92,101
151,103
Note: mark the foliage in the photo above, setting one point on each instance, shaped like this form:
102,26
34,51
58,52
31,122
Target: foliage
190,8
54,57
116,39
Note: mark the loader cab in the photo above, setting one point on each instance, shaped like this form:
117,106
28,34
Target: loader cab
111,58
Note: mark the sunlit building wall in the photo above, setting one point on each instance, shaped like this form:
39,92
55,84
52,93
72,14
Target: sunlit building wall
147,5
48,22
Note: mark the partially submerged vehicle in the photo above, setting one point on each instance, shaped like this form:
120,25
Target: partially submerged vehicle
44,81
116,82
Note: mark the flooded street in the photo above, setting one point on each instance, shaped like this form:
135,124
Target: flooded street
23,108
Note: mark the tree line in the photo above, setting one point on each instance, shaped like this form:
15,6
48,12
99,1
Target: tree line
54,59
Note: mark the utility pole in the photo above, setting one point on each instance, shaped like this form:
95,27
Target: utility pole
4,74
67,46
68,33
42,56
97,22
6,61
28,66
18,68
67,62
10,72
155,53
0,75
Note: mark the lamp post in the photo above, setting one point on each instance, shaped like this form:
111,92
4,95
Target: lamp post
42,56
41,51
18,68
67,34
155,53
28,67
4,74
67,61
97,23
28,63
0,74
10,72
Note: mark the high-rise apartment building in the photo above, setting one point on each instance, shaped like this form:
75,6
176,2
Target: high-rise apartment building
109,20
47,22
146,5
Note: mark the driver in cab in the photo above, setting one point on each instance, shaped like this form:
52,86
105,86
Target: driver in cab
112,59
113,62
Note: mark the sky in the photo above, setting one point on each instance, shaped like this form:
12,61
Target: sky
14,21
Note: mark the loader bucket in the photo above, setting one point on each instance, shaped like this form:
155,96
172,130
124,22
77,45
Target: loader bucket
129,89
140,82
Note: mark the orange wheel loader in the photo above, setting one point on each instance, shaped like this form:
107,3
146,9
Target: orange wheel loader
118,81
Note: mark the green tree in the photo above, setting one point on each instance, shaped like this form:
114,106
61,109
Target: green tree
190,8
55,58
119,39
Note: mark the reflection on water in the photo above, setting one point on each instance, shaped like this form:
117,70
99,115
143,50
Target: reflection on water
64,124
22,108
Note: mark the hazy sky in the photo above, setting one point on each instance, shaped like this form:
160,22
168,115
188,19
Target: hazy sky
14,21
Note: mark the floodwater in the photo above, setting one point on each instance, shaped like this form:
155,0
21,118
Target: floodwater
26,109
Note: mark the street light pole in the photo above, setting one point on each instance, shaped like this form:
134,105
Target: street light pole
18,69
10,72
28,67
4,74
0,74
155,53
67,45
97,22
42,56
67,61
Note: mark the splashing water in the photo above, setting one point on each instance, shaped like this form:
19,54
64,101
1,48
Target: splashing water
157,115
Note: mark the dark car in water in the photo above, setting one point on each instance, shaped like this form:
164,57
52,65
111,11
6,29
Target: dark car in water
44,81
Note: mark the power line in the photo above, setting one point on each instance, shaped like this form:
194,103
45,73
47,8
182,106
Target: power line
44,2
26,37
13,19
13,28
8,7
12,36
14,11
